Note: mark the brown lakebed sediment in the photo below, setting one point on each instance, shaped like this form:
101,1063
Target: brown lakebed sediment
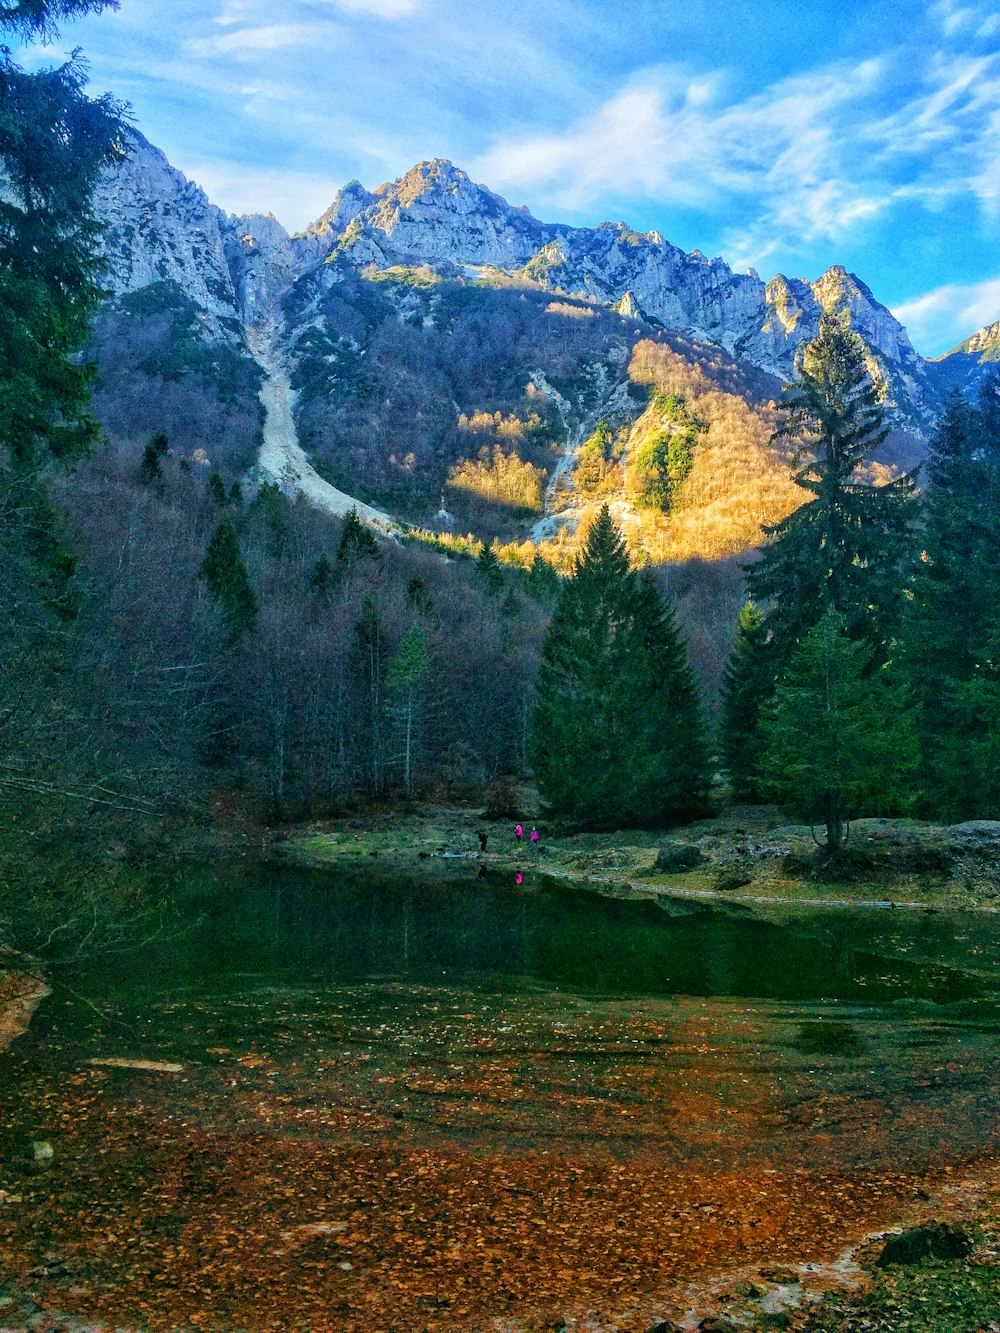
424,1158
393,1153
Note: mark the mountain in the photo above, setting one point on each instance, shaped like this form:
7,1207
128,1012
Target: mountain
447,353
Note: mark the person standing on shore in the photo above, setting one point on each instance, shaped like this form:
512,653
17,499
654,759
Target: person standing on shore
534,839
518,834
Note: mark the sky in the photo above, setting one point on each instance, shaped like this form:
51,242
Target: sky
783,135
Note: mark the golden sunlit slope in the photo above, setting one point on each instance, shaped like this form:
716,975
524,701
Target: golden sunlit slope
696,474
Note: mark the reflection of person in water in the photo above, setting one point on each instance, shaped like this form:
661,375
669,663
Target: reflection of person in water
482,870
519,878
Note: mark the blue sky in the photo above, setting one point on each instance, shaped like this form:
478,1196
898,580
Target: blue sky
783,136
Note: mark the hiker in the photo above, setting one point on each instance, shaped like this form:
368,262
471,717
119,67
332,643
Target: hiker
534,839
519,878
483,837
518,834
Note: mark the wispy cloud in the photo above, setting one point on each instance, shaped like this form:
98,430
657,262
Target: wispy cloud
672,135
952,312
253,41
251,189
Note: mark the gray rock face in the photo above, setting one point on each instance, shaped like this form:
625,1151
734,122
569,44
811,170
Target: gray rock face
161,226
432,215
262,262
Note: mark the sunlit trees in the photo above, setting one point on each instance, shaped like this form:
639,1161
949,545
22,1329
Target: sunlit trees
616,736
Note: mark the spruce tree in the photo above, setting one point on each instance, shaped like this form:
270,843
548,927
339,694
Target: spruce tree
356,541
617,734
490,570
948,636
748,678
846,550
839,741
226,575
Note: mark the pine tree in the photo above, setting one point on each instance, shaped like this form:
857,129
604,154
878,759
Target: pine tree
839,741
748,678
226,575
616,735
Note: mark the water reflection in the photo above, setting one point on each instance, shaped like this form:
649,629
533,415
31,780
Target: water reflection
350,929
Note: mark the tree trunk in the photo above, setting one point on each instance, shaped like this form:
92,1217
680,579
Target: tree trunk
834,825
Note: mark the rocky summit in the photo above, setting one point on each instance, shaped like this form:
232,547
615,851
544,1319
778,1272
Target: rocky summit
405,310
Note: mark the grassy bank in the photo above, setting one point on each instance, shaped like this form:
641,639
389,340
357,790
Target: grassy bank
745,853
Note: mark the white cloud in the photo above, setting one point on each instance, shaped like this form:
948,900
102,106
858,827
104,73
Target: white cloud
808,159
253,41
951,313
673,138
298,197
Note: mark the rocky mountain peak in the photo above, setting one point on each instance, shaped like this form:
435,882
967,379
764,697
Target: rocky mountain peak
347,204
160,226
985,344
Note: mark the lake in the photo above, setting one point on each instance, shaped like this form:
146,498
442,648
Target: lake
436,1104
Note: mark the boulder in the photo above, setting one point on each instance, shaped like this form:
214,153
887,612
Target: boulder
935,1240
728,880
674,856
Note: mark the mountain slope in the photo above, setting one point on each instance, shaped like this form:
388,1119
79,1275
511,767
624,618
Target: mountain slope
450,354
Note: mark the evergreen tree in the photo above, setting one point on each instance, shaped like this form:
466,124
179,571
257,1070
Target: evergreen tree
839,742
617,735
217,489
542,581
369,662
54,142
322,577
226,575
748,678
418,596
150,469
356,542
490,569
846,549
949,633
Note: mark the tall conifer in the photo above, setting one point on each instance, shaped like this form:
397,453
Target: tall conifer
226,575
617,734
